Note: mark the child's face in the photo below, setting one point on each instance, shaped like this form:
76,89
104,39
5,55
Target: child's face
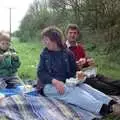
49,44
4,45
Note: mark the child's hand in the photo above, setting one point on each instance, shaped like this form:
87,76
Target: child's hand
59,86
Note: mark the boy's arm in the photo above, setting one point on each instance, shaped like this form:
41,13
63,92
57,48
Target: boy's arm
15,62
82,62
6,59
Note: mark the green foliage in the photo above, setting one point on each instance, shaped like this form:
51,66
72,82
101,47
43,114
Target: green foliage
35,19
106,65
39,17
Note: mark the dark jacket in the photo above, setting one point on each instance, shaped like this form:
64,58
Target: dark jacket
56,64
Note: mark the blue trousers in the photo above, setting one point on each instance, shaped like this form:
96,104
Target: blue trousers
83,96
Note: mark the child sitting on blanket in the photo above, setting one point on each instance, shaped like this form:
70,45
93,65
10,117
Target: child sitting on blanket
9,63
55,66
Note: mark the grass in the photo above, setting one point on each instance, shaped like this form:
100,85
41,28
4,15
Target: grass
111,117
29,56
106,67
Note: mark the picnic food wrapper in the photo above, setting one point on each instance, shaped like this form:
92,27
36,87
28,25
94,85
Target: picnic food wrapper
90,71
74,81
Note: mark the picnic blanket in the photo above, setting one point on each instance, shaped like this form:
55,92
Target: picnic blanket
37,107
28,107
33,106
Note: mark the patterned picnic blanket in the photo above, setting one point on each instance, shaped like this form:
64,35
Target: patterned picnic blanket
26,107
32,107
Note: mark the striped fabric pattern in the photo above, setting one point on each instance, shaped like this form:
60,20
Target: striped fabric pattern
27,107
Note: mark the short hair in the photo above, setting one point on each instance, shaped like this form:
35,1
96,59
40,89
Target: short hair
4,36
54,34
73,27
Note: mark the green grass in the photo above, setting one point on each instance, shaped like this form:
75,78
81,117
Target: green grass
111,117
106,67
29,56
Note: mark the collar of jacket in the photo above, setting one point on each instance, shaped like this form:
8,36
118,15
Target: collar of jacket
69,45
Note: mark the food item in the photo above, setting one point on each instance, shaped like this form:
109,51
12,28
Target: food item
80,75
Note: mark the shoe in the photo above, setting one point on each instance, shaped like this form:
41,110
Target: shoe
112,102
106,109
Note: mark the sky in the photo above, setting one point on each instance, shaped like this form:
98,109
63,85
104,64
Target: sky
19,9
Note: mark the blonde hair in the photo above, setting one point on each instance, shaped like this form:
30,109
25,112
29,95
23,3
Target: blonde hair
4,36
